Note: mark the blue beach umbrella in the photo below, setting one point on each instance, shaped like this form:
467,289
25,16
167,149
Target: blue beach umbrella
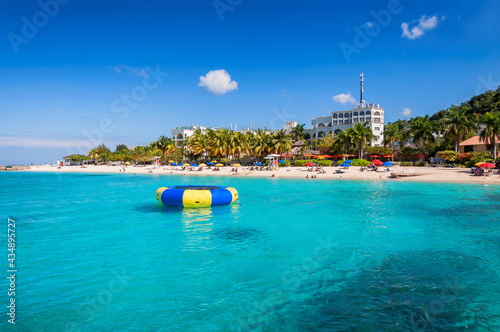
210,164
348,161
345,164
387,164
282,161
173,164
194,165
258,164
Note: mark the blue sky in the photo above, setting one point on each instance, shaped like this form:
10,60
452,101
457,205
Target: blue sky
65,69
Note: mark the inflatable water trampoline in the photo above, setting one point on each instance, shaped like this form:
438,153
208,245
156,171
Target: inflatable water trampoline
196,196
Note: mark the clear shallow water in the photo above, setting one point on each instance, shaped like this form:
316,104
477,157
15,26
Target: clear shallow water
98,253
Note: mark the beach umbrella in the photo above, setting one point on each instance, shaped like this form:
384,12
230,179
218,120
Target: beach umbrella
479,164
193,165
236,165
387,156
282,161
387,164
210,164
374,156
173,164
487,165
310,164
376,162
185,165
420,156
219,165
345,164
202,165
349,162
258,164
171,161
127,163
214,161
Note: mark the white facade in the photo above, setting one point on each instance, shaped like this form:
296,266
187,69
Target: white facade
339,121
180,134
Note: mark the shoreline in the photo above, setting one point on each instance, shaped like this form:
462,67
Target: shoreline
424,174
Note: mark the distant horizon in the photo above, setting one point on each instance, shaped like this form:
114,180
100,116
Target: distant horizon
127,73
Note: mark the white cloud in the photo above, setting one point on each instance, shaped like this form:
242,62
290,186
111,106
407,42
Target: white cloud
132,71
218,82
424,23
344,98
406,112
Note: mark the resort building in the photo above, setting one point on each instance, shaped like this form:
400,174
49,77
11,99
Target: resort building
180,134
475,144
339,121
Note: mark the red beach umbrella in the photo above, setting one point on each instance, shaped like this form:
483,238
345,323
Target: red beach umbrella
487,165
420,156
377,162
374,156
387,156
309,164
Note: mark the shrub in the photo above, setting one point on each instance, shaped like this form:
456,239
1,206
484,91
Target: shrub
287,163
225,161
324,162
449,156
406,163
420,163
360,162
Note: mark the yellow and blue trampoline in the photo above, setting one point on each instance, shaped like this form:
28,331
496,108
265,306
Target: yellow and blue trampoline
196,196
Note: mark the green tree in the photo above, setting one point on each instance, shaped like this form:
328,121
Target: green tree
121,147
457,123
298,132
423,130
490,129
361,135
392,134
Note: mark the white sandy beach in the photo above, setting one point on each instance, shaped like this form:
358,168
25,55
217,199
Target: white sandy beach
431,174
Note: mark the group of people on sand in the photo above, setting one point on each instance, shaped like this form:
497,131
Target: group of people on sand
312,176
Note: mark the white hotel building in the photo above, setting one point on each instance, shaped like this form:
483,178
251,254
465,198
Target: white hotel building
339,121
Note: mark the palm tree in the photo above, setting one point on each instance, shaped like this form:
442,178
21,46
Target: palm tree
298,132
280,142
94,154
423,130
361,135
457,123
343,141
491,129
391,135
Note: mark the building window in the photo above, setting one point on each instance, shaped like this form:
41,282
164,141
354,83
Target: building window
321,124
355,114
346,115
321,134
376,128
368,113
377,113
368,118
307,136
341,116
334,115
341,121
376,120
354,120
361,113
361,119
330,124
179,136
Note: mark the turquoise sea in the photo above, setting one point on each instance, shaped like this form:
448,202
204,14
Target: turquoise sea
98,253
